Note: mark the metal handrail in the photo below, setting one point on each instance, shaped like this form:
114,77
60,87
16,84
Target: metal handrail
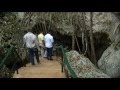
7,55
66,62
5,59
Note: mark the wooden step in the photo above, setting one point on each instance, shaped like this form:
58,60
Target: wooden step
47,69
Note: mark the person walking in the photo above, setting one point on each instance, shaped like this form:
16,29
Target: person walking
31,42
41,43
49,41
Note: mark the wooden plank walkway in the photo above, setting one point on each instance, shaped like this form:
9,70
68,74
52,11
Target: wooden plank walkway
47,69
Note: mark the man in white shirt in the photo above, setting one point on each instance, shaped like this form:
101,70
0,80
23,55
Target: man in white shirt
31,42
49,45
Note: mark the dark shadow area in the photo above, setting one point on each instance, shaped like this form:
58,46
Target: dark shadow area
101,42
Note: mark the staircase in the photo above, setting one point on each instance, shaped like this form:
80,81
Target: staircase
47,69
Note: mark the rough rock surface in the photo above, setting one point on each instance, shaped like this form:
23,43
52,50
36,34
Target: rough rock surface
83,67
109,63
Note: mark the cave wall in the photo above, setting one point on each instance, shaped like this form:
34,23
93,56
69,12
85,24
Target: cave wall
103,25
103,22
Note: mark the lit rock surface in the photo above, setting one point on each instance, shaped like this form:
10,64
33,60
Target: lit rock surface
83,66
110,60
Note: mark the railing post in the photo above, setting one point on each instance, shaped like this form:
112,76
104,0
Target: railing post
17,58
62,63
73,74
17,71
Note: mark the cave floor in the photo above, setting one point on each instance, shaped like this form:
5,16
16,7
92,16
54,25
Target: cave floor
47,69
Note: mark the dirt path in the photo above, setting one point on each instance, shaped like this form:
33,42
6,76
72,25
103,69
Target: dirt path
47,69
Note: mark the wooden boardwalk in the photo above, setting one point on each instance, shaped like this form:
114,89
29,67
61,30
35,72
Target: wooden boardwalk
47,69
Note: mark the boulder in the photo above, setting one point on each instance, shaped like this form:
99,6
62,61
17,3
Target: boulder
83,67
109,63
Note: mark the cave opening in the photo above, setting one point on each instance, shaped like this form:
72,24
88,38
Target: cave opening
101,39
101,43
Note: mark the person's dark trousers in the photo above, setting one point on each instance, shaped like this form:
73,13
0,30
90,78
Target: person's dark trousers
32,52
49,53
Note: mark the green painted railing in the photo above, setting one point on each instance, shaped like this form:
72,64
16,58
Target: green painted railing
7,55
66,62
11,58
0,58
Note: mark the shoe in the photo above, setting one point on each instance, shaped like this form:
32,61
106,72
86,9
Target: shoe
51,59
48,58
